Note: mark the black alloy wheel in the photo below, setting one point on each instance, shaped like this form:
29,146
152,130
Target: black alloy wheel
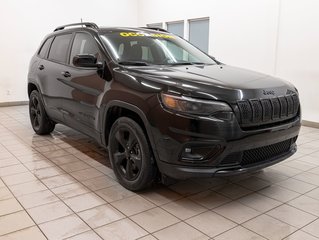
40,122
130,155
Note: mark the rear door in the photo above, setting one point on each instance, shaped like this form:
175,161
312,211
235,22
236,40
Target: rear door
84,87
52,87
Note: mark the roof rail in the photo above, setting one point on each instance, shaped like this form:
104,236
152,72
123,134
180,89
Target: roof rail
156,29
86,24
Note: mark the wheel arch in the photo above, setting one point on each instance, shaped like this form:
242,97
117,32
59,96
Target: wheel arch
116,109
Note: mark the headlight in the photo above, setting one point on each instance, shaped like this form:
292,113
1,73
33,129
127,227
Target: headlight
193,106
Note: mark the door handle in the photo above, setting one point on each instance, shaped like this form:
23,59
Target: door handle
41,67
66,74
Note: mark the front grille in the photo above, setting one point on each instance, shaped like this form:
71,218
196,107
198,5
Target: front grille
265,153
255,112
258,155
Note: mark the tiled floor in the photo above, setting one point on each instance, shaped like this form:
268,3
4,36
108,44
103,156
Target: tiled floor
59,187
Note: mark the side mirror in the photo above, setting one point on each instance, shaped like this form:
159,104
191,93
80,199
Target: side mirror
86,60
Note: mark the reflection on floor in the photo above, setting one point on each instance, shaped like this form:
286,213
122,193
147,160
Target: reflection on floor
61,187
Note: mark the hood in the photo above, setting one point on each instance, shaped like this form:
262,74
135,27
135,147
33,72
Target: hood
220,82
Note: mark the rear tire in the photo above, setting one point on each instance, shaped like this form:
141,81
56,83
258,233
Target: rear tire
130,155
40,121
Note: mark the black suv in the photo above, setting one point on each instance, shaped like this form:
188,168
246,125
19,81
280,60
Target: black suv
163,107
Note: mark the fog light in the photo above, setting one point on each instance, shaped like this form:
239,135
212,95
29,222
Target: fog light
200,153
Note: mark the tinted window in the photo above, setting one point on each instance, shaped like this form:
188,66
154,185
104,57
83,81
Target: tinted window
59,48
44,48
84,44
153,48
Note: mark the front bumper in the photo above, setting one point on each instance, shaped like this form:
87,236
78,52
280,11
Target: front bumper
236,148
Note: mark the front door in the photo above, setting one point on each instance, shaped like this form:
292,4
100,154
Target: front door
84,87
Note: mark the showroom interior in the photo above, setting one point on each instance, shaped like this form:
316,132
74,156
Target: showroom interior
61,185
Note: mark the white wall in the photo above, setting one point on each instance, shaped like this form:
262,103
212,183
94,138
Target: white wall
25,23
298,52
277,37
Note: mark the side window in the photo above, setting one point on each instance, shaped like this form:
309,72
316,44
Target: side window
84,44
59,48
44,49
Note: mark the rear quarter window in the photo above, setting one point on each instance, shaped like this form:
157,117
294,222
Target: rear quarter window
45,47
59,48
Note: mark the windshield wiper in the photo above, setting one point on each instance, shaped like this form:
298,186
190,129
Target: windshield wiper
134,63
187,63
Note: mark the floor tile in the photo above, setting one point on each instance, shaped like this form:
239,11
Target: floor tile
259,202
308,177
306,204
26,188
37,199
209,199
114,193
184,208
296,185
278,193
132,205
291,215
48,212
47,172
14,169
65,159
237,212
57,181
160,195
187,187
86,174
314,193
74,166
85,201
19,178
5,193
232,191
300,235
123,229
313,228
101,215
239,233
89,235
269,227
8,162
9,206
211,223
180,231
32,233
64,227
70,190
14,222
35,165
98,183
147,237
253,183
154,219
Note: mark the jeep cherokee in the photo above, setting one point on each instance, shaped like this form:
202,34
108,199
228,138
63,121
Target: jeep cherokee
160,105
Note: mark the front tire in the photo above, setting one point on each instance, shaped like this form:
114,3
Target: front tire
40,121
130,155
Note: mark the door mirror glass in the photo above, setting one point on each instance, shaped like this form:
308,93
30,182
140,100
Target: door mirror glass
86,60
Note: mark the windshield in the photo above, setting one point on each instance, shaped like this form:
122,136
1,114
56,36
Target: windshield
144,48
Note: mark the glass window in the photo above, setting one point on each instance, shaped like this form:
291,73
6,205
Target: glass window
148,48
199,33
44,48
59,48
177,28
155,25
84,44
